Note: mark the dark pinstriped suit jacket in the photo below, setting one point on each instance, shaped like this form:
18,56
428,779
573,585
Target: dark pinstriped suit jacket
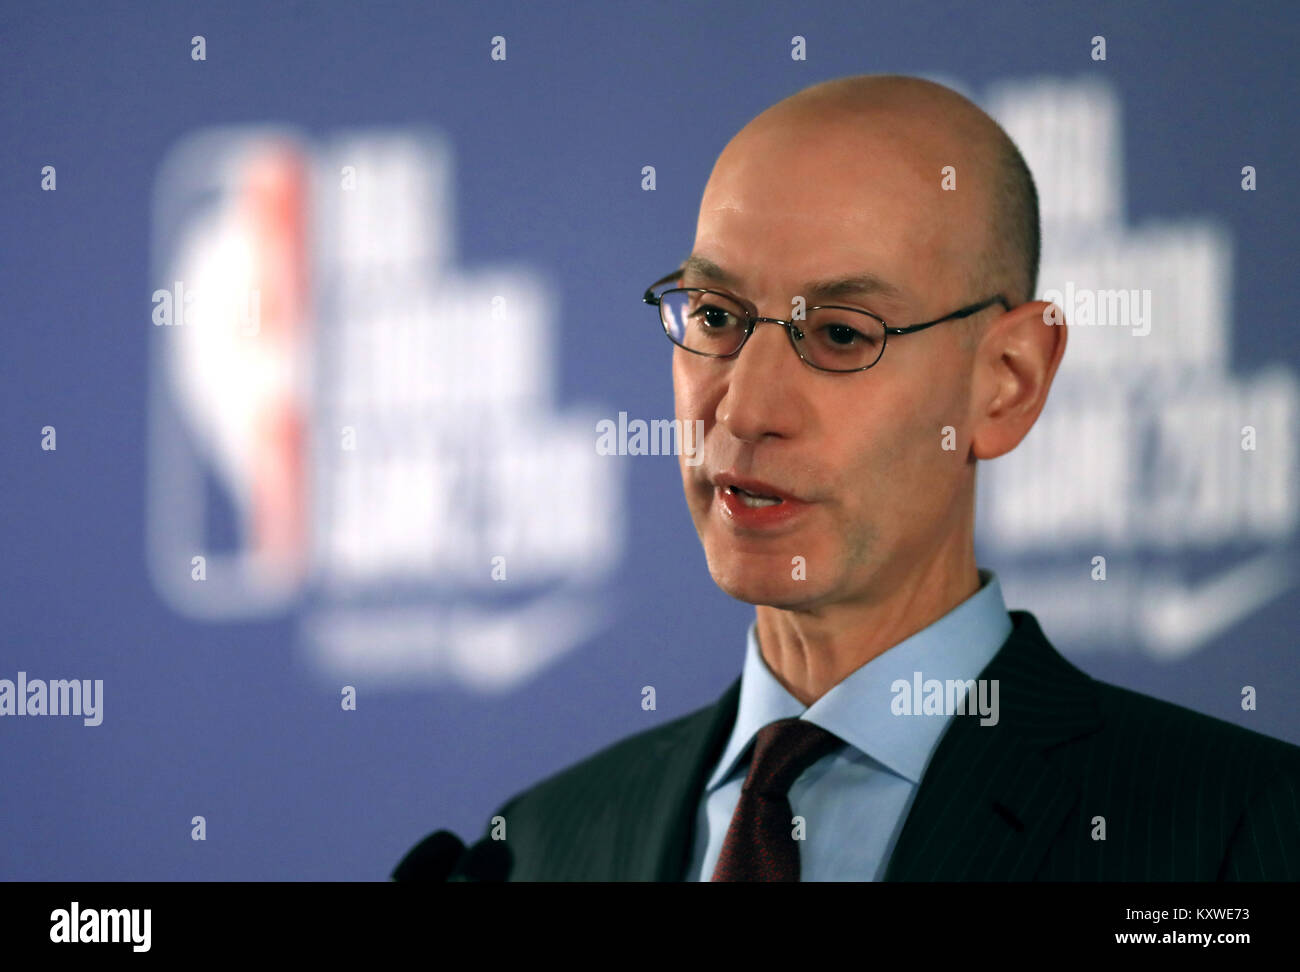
1184,797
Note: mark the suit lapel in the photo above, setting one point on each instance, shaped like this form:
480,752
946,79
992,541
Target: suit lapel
663,827
990,802
987,809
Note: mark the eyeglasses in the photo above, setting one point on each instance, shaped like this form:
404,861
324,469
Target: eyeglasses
830,337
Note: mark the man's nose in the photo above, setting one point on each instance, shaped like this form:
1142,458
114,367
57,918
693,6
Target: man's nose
761,397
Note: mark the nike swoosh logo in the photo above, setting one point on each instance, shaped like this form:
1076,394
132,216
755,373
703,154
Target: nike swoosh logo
1176,618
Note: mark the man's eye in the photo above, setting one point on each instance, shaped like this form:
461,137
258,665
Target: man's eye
841,335
714,317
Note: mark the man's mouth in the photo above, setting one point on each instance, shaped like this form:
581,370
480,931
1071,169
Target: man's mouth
753,500
754,507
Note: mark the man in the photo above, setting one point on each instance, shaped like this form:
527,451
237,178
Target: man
893,721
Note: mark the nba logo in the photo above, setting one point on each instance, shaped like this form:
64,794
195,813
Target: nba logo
349,428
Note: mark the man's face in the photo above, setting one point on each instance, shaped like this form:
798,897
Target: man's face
860,457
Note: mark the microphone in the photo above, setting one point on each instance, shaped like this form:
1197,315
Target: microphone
432,859
487,861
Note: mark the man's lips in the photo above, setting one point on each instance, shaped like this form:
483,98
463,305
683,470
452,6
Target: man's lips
730,482
753,504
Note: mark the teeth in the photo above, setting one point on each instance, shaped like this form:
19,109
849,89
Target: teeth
753,501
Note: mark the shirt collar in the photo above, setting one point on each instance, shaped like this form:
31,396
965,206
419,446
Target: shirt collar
958,645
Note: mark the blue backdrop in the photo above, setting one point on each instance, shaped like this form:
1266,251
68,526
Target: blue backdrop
320,486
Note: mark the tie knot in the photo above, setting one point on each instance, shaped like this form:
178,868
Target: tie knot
784,749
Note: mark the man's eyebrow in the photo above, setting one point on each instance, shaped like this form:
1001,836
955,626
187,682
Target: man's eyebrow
834,288
704,267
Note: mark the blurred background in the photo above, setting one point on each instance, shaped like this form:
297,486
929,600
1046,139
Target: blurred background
311,311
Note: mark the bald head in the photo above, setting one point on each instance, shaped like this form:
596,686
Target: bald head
991,220
841,196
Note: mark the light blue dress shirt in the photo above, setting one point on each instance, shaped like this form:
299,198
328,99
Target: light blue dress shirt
855,799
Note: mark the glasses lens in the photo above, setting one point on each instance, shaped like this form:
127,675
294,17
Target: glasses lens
841,340
702,321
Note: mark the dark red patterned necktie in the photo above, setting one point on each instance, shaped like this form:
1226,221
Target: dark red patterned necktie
759,845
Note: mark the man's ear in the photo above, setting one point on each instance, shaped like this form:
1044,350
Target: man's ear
1014,365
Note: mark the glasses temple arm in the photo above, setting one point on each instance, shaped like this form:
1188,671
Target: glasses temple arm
964,312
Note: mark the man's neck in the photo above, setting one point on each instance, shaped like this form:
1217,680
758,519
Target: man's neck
810,652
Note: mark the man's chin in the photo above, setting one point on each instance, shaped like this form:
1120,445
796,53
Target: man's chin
765,591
